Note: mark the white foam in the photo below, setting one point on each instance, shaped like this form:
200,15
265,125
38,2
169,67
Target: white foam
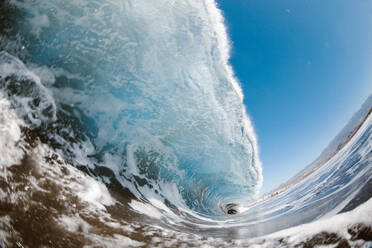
95,192
337,224
74,223
38,22
45,110
146,209
77,224
10,133
116,241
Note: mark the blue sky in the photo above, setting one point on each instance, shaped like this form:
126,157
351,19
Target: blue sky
305,68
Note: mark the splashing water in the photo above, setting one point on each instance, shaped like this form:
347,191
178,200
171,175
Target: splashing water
152,93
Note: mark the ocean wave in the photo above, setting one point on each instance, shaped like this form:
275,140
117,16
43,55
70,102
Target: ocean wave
122,123
158,105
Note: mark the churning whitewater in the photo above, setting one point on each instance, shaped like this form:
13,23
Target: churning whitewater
122,124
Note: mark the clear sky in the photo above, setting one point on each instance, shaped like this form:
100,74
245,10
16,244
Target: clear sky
305,67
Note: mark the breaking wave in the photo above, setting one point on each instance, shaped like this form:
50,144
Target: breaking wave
149,96
140,97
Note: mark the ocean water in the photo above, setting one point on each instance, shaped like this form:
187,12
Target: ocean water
122,125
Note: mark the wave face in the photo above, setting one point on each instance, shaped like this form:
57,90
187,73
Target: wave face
142,88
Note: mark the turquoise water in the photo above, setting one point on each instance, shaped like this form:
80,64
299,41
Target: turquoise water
148,95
